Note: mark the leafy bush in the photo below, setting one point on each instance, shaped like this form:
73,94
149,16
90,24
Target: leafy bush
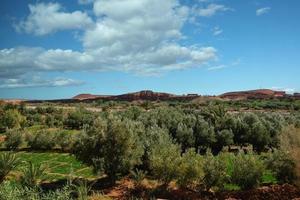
104,139
215,174
8,161
32,175
138,176
65,140
247,170
164,159
13,191
14,139
282,165
41,140
290,144
78,119
10,119
121,141
190,169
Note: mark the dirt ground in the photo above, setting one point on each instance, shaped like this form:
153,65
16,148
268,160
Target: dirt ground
125,190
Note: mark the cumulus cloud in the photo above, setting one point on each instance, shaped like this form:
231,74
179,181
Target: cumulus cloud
37,81
211,10
45,18
262,11
137,36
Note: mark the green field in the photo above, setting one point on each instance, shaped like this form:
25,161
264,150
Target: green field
58,165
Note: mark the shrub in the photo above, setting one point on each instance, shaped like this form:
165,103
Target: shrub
104,139
14,139
121,141
8,162
164,160
65,140
282,165
32,175
41,140
82,190
10,119
190,169
247,170
215,174
290,144
138,176
13,191
78,118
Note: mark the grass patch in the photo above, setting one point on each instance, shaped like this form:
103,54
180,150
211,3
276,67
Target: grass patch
59,165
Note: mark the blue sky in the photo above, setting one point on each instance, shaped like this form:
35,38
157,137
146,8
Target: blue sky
57,49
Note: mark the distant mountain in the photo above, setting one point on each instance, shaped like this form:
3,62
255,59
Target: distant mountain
254,94
135,96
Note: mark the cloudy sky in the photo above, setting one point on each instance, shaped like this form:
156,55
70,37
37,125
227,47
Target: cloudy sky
57,49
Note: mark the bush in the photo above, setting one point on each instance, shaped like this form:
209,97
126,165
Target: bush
14,139
78,119
215,172
41,140
121,141
32,175
247,171
13,191
10,119
164,160
8,162
115,137
282,165
138,176
65,140
290,144
190,170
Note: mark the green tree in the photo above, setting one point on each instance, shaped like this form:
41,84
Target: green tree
123,143
184,136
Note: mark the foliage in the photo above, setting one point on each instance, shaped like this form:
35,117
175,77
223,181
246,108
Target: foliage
138,176
11,119
82,190
78,119
190,169
32,175
13,191
247,170
8,161
42,140
14,138
215,174
282,165
123,143
164,159
289,140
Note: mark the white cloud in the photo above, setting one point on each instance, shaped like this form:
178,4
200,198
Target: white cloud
262,11
48,18
136,36
217,31
218,67
211,10
133,35
37,81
